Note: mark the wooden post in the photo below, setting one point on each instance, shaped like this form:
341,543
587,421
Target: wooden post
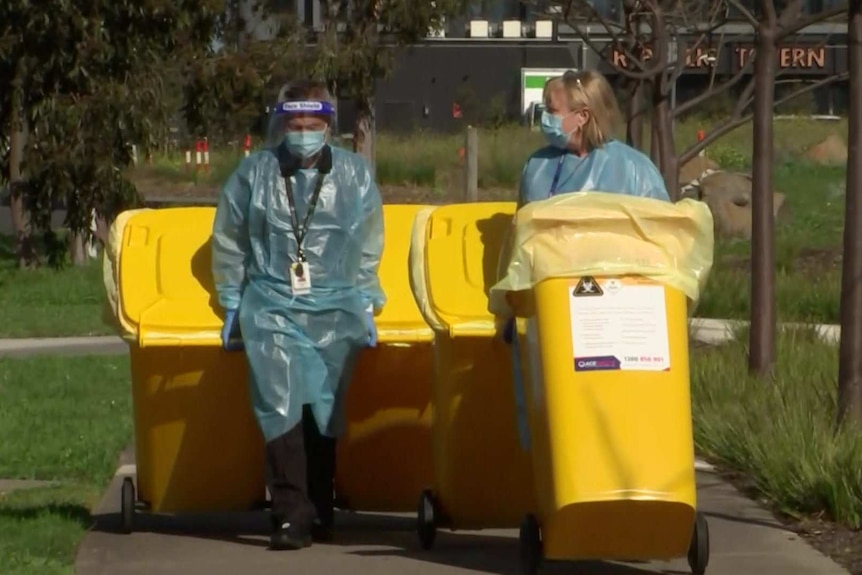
471,165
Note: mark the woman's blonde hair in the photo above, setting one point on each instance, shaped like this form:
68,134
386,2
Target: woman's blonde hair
591,90
552,85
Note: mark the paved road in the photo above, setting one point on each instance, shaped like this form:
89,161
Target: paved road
745,540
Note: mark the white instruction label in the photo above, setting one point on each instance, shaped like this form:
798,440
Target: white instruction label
619,324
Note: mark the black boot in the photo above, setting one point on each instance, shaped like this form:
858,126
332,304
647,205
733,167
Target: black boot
321,532
292,511
320,478
288,536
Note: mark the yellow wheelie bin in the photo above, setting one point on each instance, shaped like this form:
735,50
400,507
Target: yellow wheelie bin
482,476
384,456
602,285
197,444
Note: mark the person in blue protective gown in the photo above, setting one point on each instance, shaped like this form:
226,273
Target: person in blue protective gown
579,122
297,241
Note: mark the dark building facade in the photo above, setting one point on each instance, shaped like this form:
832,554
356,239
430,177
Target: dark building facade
471,69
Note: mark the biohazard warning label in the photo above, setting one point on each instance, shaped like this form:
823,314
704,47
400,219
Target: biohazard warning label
587,286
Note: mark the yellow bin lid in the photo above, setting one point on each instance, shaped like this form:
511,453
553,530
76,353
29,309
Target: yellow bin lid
462,251
166,290
400,320
166,286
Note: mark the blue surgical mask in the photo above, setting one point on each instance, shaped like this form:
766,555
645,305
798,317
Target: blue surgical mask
305,144
552,127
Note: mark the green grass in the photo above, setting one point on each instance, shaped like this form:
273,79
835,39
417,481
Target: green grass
64,420
433,160
808,236
781,433
40,529
50,303
808,242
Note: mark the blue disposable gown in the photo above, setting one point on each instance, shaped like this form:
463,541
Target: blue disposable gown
301,348
615,168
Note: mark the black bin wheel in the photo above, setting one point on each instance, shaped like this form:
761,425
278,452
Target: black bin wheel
530,539
426,524
127,505
698,550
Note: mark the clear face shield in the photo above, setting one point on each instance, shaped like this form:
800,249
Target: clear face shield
299,115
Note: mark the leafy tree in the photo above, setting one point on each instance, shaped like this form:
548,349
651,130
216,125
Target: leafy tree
229,87
79,82
351,52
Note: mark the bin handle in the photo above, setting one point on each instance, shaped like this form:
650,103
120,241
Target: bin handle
162,339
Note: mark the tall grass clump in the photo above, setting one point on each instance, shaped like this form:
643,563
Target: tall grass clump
781,432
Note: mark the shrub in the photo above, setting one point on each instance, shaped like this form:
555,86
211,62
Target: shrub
781,432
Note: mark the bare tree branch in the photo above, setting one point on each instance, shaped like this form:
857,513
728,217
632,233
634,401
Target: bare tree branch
745,99
746,13
803,23
770,18
645,72
720,89
721,130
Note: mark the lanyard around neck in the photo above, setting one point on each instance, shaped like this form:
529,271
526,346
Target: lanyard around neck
301,230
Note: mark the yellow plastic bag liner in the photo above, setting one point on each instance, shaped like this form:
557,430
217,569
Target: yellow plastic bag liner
604,234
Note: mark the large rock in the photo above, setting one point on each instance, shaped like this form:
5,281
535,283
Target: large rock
728,195
694,169
830,152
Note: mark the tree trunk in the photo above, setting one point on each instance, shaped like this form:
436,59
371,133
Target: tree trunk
76,249
364,132
655,142
850,366
663,129
634,117
762,334
663,153
25,251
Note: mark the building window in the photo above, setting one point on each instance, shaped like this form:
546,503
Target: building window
611,10
495,10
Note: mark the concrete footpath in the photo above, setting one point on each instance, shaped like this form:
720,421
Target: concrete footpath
745,540
84,345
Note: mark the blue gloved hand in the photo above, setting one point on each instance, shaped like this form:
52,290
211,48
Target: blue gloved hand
229,339
509,331
371,327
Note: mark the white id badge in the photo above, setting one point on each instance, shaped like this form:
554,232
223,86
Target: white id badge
300,278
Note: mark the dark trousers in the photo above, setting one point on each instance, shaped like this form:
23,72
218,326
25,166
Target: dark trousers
301,466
